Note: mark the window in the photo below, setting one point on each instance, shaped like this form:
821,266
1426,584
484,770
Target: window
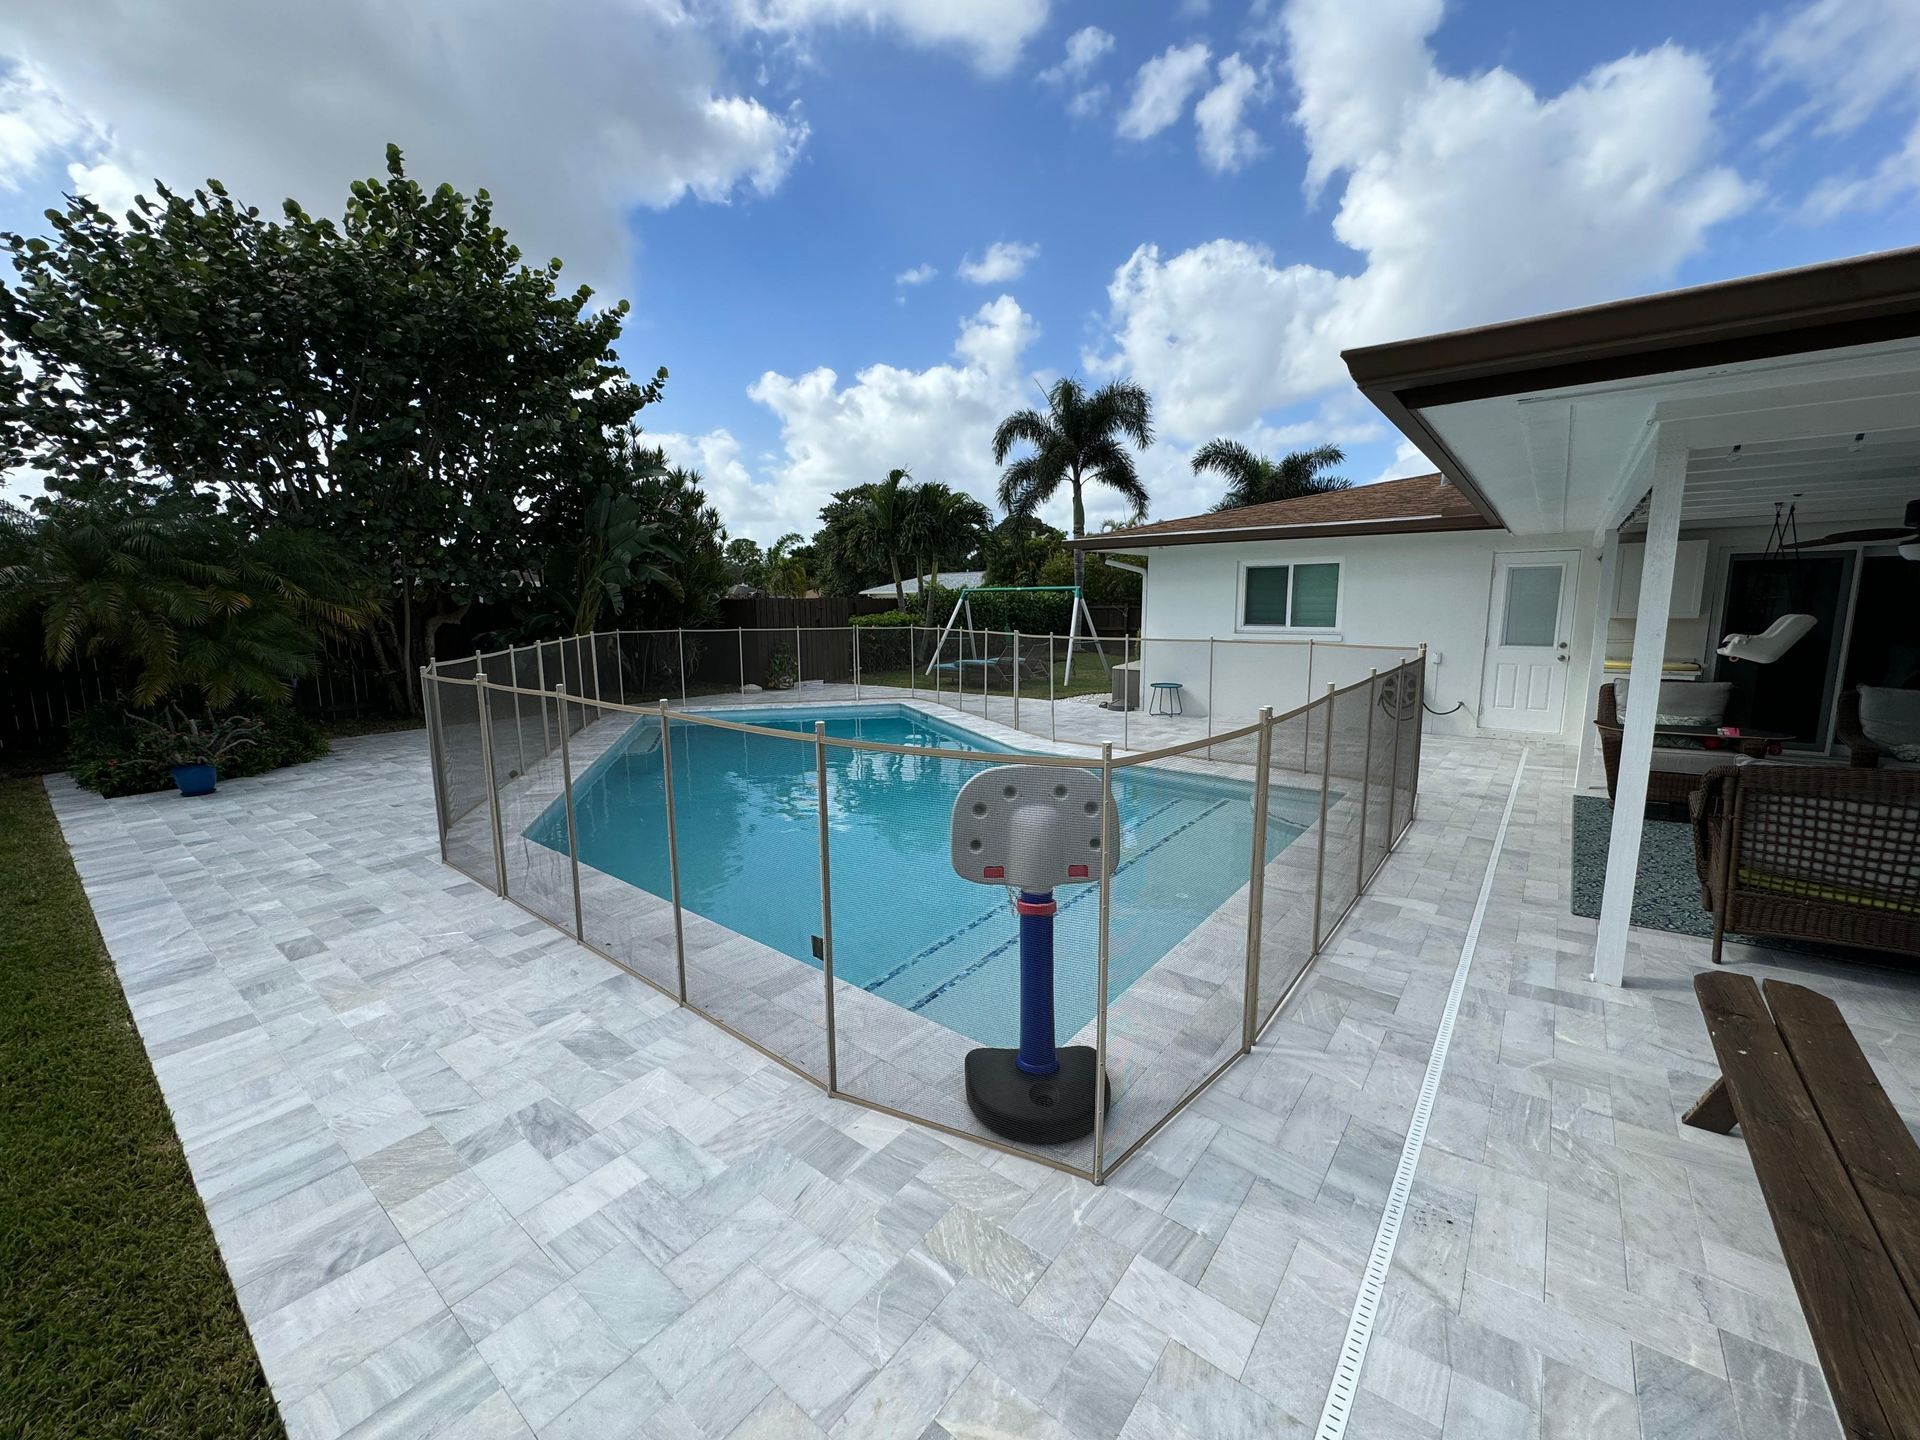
1301,596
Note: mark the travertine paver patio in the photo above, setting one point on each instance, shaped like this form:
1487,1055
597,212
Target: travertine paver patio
472,1180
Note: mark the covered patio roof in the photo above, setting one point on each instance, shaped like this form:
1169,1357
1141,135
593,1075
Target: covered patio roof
1713,405
1800,382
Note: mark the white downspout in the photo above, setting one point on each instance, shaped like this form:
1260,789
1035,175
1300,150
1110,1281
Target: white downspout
1636,746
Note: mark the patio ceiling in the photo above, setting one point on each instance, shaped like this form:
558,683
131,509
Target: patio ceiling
1804,384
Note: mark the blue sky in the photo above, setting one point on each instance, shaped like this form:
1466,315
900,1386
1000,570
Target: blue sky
1214,198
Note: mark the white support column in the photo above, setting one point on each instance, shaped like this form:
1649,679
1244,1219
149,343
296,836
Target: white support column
1636,746
1588,767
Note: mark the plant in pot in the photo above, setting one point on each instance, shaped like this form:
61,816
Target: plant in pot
194,748
782,673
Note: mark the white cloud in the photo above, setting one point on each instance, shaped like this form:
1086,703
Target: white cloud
918,275
937,422
571,115
1005,260
1161,89
1226,141
1470,200
1083,104
35,124
992,32
1851,61
1086,48
748,506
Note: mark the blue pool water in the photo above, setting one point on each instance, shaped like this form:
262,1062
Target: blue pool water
905,926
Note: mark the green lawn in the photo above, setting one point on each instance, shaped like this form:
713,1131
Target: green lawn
116,1315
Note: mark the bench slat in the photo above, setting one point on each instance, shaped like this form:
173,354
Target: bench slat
1873,1142
1863,1323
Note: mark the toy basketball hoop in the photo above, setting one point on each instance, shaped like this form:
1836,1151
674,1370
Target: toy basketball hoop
1033,828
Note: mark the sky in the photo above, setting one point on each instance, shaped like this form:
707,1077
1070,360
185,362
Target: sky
859,232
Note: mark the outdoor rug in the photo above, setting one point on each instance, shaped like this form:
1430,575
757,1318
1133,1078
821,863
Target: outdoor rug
1667,896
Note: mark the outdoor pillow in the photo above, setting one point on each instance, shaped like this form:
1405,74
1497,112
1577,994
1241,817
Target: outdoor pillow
1891,720
1683,702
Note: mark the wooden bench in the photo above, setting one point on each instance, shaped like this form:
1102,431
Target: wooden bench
1841,1177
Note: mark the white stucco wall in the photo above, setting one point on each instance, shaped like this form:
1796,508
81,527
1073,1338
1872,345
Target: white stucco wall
1395,590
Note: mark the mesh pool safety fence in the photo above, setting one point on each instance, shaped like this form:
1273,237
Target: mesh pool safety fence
756,823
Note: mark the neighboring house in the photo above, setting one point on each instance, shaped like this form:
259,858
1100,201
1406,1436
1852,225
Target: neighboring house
945,580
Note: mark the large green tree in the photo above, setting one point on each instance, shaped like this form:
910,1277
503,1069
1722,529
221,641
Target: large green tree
885,523
399,381
1255,479
944,526
1081,440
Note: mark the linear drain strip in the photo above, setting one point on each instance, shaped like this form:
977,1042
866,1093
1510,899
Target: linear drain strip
1353,1353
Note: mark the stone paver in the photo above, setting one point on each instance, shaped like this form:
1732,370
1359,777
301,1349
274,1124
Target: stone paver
469,1177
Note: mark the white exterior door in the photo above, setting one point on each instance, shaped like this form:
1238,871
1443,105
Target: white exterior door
1529,626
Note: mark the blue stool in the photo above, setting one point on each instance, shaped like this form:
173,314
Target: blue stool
1165,699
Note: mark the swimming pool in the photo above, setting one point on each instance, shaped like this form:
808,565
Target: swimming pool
906,928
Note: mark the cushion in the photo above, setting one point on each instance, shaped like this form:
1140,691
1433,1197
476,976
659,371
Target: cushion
1684,702
1891,720
1694,762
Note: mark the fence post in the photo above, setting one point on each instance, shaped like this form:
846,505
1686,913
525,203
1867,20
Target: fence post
436,753
913,663
1127,696
619,669
680,633
826,902
493,789
1257,880
1419,735
519,740
856,660
673,853
1053,708
740,639
540,684
1307,735
1326,776
573,833
1210,696
1393,775
1016,679
1366,788
796,657
1109,849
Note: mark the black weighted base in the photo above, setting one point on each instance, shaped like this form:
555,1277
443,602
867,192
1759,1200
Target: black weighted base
1038,1110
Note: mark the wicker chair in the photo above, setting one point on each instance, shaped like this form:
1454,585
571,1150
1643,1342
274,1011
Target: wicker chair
1810,853
1664,787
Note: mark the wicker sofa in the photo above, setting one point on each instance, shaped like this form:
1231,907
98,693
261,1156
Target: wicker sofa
1810,853
1675,773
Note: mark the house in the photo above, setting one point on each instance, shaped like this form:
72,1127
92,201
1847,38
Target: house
945,580
1628,464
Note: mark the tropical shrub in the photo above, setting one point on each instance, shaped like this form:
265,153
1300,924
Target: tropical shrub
173,738
887,620
110,752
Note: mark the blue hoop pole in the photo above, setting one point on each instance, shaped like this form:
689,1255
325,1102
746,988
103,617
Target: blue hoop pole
1036,1055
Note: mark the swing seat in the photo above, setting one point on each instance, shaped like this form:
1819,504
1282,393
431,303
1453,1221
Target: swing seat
1770,644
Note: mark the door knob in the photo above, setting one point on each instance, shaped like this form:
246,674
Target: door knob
1561,658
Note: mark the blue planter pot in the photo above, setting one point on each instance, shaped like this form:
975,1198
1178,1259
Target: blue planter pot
195,779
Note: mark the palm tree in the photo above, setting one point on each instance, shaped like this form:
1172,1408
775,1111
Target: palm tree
1081,440
942,524
1253,479
885,524
787,570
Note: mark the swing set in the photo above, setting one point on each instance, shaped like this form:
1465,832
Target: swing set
973,642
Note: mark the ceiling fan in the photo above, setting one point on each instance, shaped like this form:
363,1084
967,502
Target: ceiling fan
1908,535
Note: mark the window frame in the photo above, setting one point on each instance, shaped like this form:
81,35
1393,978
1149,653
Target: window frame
1318,632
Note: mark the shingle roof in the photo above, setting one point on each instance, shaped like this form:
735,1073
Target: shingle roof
1391,507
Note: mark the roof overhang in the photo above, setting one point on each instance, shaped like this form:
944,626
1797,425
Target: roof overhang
1225,535
1809,378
